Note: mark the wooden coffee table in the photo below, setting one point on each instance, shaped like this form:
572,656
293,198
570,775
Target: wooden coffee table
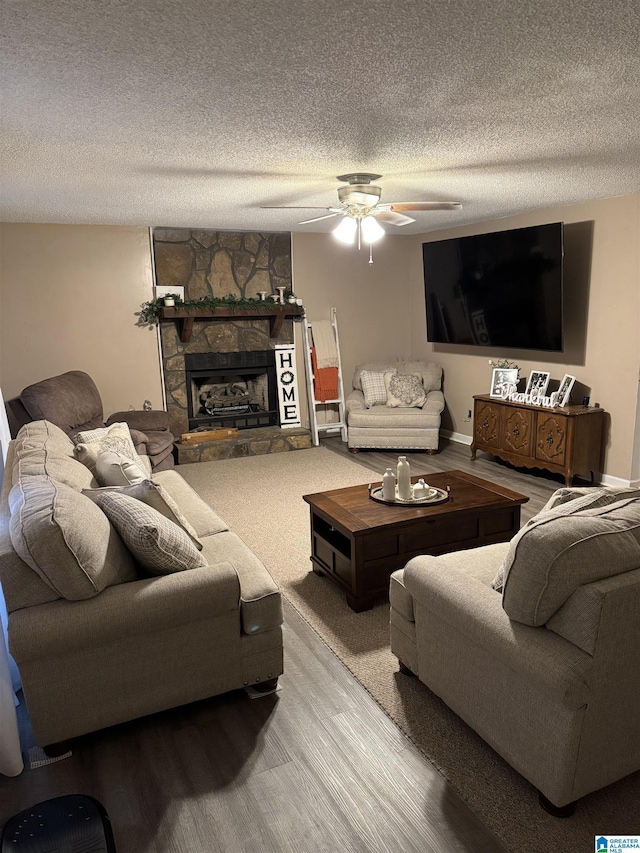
358,542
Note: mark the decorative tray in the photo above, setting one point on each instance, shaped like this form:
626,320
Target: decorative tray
434,496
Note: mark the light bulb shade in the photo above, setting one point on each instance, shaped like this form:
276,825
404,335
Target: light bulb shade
371,230
346,230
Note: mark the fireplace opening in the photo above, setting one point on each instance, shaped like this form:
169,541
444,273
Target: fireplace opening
236,389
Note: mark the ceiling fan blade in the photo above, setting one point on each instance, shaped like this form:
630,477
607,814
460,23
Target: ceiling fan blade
393,218
423,205
317,218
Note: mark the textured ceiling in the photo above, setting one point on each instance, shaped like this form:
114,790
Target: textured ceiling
196,114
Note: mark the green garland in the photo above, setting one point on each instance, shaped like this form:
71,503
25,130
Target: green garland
150,311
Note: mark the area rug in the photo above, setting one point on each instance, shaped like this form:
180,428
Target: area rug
261,500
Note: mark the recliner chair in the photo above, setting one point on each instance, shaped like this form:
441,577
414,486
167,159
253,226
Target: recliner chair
72,402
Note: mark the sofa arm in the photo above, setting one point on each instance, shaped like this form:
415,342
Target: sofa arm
355,402
126,610
434,403
474,610
151,421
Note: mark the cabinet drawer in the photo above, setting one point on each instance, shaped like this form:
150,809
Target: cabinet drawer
433,534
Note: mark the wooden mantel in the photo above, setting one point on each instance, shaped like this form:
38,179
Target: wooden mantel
276,316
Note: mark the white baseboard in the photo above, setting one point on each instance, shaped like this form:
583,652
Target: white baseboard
459,437
606,479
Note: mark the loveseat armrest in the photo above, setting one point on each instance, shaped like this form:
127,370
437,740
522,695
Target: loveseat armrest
474,610
434,403
355,402
130,609
151,421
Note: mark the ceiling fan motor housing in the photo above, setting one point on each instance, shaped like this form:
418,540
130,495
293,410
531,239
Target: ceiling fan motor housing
366,194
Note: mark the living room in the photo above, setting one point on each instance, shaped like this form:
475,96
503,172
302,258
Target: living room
77,263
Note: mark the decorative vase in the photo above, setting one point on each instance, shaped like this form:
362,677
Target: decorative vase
389,485
420,490
404,479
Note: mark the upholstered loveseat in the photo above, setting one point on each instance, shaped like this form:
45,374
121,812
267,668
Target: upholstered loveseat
98,636
376,419
546,671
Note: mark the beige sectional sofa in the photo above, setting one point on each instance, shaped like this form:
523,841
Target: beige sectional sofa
546,671
97,638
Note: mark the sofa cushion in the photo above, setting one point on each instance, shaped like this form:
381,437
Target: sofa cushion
116,469
198,513
550,559
373,387
159,545
385,417
404,390
91,443
154,495
66,539
42,449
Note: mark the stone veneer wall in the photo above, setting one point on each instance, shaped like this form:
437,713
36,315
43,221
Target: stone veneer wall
217,263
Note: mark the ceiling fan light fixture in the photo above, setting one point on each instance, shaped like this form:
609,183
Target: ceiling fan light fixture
346,230
371,230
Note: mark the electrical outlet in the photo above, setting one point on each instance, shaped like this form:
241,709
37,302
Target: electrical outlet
468,418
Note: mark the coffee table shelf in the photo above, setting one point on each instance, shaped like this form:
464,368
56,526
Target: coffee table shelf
358,543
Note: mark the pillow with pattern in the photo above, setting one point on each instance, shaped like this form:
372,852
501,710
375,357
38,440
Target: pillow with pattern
404,390
373,388
91,443
157,543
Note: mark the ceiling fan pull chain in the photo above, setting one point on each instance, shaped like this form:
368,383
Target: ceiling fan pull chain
370,253
359,233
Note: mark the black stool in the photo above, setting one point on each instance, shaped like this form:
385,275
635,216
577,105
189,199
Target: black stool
72,823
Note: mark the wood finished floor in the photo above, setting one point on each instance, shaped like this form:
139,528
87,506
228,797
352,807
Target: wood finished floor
316,767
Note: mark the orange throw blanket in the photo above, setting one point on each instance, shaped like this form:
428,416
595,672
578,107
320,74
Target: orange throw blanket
325,380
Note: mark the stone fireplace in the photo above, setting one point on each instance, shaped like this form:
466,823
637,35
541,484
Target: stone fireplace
230,357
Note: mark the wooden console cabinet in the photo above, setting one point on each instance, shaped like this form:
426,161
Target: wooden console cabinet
566,440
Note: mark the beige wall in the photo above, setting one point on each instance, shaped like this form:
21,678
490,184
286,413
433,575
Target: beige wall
371,300
68,296
606,287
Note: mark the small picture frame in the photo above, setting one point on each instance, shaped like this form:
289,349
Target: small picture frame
538,382
163,290
501,378
564,391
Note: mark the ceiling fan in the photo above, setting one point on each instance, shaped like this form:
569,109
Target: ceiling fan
362,212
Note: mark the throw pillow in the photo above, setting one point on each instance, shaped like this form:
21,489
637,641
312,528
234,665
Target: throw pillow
65,539
373,388
91,443
115,469
159,545
404,390
154,495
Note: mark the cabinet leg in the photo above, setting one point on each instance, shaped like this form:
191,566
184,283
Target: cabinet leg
473,452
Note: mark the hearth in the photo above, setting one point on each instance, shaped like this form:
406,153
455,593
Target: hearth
231,389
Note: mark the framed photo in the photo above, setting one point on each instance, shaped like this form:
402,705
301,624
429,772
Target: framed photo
501,378
538,382
164,290
564,391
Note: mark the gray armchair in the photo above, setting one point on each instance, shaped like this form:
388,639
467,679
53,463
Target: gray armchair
383,427
72,402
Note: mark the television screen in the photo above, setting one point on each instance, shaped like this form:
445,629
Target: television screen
496,290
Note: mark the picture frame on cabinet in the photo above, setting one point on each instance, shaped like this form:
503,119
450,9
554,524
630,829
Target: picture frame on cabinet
501,378
538,383
564,391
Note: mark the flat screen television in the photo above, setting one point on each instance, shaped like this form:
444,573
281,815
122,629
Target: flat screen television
496,290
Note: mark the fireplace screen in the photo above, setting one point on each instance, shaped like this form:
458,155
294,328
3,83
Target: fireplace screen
231,389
